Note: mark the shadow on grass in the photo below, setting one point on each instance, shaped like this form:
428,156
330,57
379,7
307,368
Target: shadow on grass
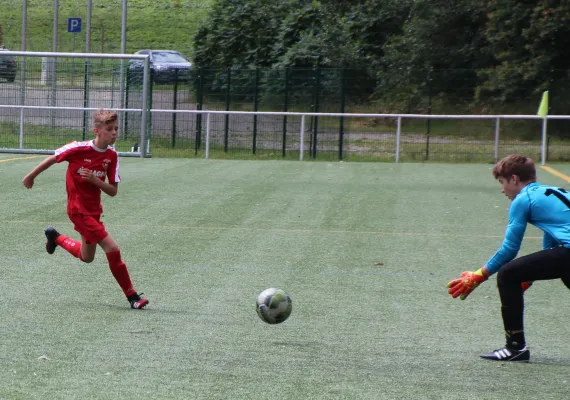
150,309
297,344
550,361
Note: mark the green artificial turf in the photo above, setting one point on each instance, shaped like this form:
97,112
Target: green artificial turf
363,249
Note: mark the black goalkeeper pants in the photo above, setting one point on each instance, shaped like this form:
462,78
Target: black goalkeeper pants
543,265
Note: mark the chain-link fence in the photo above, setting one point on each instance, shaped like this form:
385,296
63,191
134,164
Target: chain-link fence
60,94
49,103
319,90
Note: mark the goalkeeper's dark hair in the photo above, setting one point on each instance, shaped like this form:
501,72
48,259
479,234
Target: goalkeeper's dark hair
515,164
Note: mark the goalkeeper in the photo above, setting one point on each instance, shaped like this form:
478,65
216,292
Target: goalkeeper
547,208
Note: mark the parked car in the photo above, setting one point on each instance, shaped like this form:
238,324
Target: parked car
8,66
166,66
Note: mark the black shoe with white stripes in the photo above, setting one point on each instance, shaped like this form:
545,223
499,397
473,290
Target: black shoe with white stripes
506,354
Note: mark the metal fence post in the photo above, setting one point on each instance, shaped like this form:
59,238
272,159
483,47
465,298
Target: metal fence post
227,119
145,107
149,118
496,150
285,106
398,133
341,127
174,107
302,138
207,135
428,121
316,109
543,142
85,96
255,108
126,114
199,100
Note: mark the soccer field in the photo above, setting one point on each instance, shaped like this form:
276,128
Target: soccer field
363,249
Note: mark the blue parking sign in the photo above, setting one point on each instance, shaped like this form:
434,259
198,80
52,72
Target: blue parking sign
74,25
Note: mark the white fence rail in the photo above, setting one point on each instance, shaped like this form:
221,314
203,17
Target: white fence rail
397,117
49,76
35,105
145,140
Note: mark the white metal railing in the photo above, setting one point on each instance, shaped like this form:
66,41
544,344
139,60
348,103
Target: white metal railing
398,117
54,55
144,111
303,115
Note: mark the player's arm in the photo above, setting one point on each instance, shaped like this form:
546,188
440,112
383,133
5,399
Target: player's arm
28,180
469,281
109,188
514,235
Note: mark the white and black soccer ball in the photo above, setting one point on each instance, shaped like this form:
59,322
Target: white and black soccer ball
274,306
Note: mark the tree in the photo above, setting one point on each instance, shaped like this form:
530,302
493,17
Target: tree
438,52
297,33
371,23
529,40
239,33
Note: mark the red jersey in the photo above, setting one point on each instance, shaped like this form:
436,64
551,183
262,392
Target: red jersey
84,197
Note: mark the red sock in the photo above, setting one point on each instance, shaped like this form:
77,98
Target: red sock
73,247
119,271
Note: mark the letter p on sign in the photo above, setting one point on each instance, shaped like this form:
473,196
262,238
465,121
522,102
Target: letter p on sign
74,25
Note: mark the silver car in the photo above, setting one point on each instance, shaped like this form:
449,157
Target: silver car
166,66
8,66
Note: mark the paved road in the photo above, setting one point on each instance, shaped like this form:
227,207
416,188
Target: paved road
162,123
241,127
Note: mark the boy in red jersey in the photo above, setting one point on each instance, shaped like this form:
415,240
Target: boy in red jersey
90,163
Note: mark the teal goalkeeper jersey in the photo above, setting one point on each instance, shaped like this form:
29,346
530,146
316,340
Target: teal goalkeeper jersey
547,208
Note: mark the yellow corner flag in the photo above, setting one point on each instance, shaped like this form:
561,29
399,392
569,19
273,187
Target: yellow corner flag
543,109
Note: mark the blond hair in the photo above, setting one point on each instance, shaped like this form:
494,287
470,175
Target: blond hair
103,117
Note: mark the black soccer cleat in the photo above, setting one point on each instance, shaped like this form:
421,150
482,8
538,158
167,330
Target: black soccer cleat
51,235
506,354
137,302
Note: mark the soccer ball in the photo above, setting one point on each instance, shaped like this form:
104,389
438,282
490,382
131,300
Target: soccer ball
274,306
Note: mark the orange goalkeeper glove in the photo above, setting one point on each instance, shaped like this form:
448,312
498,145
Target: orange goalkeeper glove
463,286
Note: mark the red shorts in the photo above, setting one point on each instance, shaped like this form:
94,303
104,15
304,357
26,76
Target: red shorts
89,227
